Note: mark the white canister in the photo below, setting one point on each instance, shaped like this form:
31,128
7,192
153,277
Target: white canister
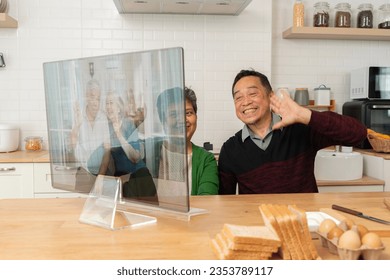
9,138
322,96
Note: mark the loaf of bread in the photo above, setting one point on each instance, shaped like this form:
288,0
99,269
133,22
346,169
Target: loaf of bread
285,231
289,223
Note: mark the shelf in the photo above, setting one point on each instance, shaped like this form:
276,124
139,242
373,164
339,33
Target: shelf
331,107
334,33
7,21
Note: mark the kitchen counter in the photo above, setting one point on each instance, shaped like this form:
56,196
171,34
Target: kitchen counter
365,180
45,229
44,157
25,157
371,152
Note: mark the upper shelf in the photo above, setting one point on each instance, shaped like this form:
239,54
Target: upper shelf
337,33
7,21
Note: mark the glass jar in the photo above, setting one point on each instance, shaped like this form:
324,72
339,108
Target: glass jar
365,16
321,14
33,143
343,15
299,14
384,16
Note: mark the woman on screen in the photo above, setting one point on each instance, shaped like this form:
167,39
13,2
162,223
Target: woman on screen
125,155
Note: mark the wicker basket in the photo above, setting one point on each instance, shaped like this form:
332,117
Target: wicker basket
378,144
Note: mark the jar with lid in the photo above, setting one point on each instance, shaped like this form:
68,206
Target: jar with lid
33,143
343,15
365,16
321,14
384,16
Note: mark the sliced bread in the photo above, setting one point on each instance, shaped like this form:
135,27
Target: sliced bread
260,235
270,221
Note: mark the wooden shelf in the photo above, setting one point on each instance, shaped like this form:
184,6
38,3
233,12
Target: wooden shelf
334,33
7,21
331,107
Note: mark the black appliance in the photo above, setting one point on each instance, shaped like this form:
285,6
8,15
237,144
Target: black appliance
374,114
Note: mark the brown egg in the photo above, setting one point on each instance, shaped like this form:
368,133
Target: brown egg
362,230
349,223
346,224
372,240
349,240
326,225
335,232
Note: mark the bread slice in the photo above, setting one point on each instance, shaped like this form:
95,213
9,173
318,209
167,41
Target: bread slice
217,249
246,246
295,230
223,253
270,221
301,215
287,235
259,235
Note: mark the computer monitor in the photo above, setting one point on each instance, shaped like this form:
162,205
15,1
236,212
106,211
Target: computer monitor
120,115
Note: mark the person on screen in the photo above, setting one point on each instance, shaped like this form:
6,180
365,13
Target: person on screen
202,166
276,149
136,114
90,129
125,153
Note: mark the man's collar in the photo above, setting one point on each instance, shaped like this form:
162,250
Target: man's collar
247,132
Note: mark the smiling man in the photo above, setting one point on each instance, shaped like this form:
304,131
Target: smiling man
275,150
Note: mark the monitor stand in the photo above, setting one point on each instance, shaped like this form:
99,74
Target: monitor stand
100,209
135,207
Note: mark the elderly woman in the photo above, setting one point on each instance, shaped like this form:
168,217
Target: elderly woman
202,166
125,155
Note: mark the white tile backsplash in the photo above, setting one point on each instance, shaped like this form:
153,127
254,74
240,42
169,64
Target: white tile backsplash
216,48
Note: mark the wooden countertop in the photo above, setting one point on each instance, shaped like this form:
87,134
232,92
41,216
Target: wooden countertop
25,157
44,157
364,181
371,152
49,228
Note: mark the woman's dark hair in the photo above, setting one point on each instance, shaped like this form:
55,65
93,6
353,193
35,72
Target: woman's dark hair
245,73
191,97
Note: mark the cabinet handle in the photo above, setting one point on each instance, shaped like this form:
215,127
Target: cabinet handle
62,168
5,169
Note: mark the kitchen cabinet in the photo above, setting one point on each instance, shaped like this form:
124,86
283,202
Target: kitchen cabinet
16,180
377,165
42,183
7,21
334,33
26,174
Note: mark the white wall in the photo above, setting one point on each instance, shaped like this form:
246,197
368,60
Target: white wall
216,48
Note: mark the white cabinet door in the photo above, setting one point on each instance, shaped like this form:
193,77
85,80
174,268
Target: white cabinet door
42,183
16,180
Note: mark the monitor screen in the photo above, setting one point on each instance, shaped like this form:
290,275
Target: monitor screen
120,115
